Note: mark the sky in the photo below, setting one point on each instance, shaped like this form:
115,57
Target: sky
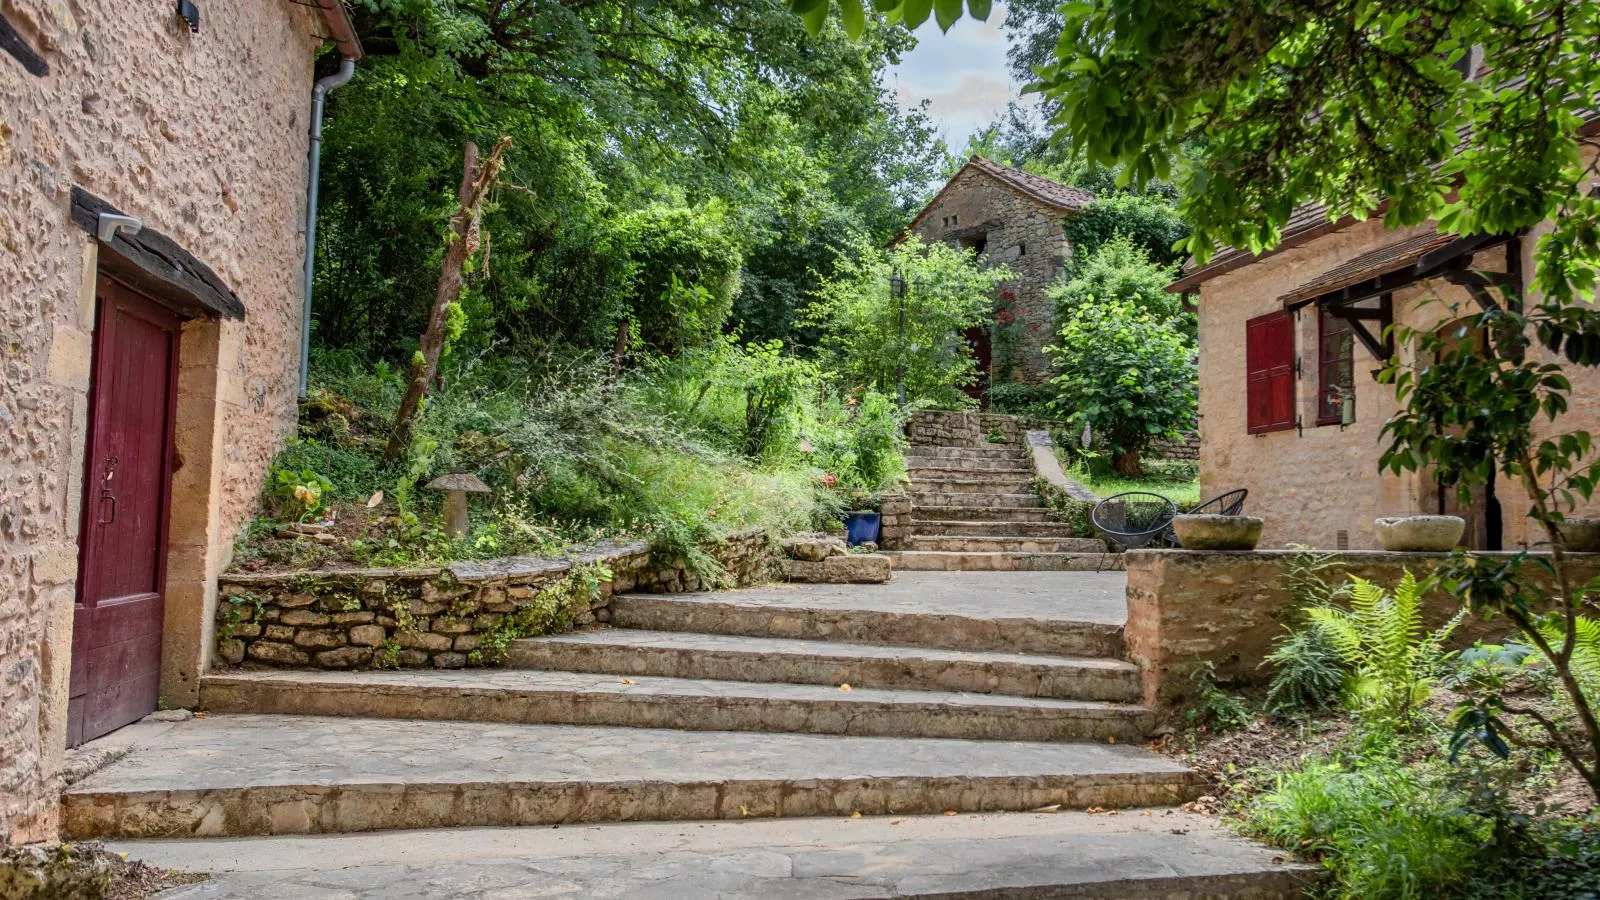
963,72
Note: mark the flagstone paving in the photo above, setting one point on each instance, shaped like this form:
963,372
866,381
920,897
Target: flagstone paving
1156,853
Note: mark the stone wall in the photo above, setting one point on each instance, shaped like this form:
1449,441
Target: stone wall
202,136
939,428
449,616
1188,607
1188,448
1025,236
894,522
1314,483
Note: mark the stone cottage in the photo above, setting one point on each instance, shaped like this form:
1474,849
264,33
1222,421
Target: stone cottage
1014,218
1289,342
153,195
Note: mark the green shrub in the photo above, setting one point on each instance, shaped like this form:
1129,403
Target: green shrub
1119,271
947,292
1023,399
1129,376
1381,831
1308,672
1215,708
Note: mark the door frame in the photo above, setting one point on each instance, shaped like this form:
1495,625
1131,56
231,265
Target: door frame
151,310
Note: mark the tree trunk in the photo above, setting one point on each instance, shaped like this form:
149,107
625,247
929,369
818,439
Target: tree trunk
476,179
1127,462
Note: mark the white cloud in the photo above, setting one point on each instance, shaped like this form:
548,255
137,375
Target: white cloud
963,74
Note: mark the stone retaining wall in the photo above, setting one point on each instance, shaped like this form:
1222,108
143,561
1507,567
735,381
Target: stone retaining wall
1188,448
1190,607
461,614
969,428
894,521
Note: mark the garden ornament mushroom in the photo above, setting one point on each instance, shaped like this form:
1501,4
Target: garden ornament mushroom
457,485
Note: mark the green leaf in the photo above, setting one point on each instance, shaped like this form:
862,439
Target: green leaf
947,13
816,17
979,9
852,17
916,12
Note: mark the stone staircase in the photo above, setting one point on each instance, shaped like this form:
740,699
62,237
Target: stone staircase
974,506
939,694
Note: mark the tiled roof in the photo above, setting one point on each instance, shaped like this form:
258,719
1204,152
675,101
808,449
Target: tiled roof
1036,186
1392,258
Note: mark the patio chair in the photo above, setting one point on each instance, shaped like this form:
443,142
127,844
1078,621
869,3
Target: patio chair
1230,503
1133,519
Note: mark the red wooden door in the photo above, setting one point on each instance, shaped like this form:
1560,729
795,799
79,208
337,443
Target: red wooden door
116,629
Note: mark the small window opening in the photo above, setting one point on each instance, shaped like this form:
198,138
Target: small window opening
1022,249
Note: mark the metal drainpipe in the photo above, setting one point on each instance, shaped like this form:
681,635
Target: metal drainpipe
319,96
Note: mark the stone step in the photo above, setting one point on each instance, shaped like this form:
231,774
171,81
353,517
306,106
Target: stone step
854,617
1156,853
228,775
675,654
1023,529
921,452
979,499
942,512
952,561
981,483
535,697
969,543
940,468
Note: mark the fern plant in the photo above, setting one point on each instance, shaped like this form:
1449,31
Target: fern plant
1391,659
1585,647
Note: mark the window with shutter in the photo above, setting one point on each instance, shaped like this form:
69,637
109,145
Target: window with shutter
1269,372
1336,368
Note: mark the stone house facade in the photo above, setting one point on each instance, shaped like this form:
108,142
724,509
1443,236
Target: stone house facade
1013,218
163,349
1289,341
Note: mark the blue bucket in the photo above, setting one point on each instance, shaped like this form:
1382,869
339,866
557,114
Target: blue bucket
860,527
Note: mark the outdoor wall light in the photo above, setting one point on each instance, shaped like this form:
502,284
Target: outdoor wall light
190,13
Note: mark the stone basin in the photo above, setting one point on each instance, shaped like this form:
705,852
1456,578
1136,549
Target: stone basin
1581,535
1216,532
1427,534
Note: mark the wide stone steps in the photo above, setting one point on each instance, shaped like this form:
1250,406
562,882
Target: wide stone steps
1157,853
942,512
935,469
917,454
966,543
627,651
851,616
532,697
1024,529
978,499
979,483
226,775
957,561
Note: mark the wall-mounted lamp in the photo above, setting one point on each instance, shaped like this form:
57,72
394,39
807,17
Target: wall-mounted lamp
190,13
1347,408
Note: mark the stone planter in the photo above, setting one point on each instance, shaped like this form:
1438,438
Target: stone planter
1426,534
1581,535
1213,532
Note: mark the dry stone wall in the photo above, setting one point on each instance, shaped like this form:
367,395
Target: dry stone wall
449,616
1191,607
939,428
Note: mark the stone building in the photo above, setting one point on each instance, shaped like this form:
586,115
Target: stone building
1014,218
1289,342
153,192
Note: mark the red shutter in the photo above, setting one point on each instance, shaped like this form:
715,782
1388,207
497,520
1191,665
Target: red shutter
1269,372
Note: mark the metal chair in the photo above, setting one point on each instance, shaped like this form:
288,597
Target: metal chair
1133,518
1230,503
